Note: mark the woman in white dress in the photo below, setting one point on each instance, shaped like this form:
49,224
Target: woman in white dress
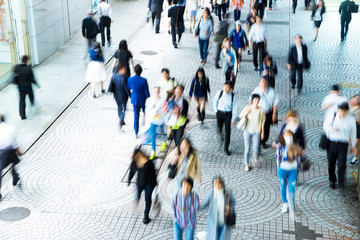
96,69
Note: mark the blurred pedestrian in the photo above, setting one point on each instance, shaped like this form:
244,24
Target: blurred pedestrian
89,30
139,93
9,150
225,107
355,111
221,204
237,5
345,18
105,22
220,5
166,84
316,16
185,204
268,102
254,129
239,41
220,33
294,5
146,179
123,55
339,128
193,5
288,160
297,61
258,41
23,77
250,20
200,87
176,28
260,6
204,29
229,61
118,86
96,72
155,6
181,4
269,70
332,100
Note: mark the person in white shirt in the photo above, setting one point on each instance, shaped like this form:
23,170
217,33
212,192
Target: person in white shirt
225,107
105,22
339,129
258,41
9,150
268,102
331,101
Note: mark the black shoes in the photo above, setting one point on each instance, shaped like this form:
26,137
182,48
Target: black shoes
102,90
332,185
175,45
217,66
146,219
227,153
16,180
265,146
23,118
256,69
293,86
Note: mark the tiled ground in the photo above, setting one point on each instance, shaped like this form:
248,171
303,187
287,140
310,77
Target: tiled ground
73,179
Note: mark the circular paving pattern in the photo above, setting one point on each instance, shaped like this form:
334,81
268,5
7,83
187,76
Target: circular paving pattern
73,182
309,104
256,204
329,207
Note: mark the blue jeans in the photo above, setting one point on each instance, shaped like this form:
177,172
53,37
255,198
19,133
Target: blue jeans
154,131
237,15
220,232
121,110
178,232
148,192
137,117
203,45
256,145
288,177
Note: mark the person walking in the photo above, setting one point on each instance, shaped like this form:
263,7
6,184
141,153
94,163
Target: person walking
166,84
339,128
220,33
181,4
260,6
237,5
176,28
193,6
254,129
316,16
105,22
155,6
200,87
268,102
220,5
345,18
118,86
139,93
269,70
24,78
204,29
9,150
239,41
185,204
146,179
294,5
355,111
229,62
124,56
332,100
258,41
89,30
288,161
221,205
225,107
297,61
96,69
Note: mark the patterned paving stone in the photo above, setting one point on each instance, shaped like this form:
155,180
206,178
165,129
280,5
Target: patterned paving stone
309,104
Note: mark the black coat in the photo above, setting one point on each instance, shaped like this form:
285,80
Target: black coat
293,61
155,6
173,14
146,174
118,86
89,28
24,76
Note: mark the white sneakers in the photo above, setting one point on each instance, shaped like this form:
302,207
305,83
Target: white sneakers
284,208
246,169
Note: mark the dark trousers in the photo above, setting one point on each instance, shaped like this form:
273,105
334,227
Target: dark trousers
121,110
181,16
294,5
271,81
14,173
217,53
260,8
203,45
224,117
344,27
219,8
337,151
179,29
178,134
156,15
8,157
148,192
22,102
105,22
299,69
260,46
307,3
137,117
237,15
268,122
270,3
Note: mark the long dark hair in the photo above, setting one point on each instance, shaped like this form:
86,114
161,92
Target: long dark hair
200,70
123,47
97,47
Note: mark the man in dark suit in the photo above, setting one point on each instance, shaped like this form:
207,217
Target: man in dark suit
298,60
345,17
155,7
118,86
89,30
139,93
24,77
176,26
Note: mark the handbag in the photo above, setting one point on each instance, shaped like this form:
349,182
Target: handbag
305,164
231,218
197,29
172,170
242,124
324,140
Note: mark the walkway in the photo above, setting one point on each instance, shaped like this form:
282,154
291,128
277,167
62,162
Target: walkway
73,177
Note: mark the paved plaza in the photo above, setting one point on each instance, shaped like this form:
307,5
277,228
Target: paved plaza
74,177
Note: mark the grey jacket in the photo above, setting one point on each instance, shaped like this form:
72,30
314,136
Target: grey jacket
155,6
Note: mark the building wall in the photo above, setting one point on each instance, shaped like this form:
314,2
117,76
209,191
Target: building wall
52,23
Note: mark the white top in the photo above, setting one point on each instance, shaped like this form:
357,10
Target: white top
226,104
154,112
268,99
258,33
104,9
299,54
286,165
192,5
317,15
346,128
220,200
334,99
7,137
